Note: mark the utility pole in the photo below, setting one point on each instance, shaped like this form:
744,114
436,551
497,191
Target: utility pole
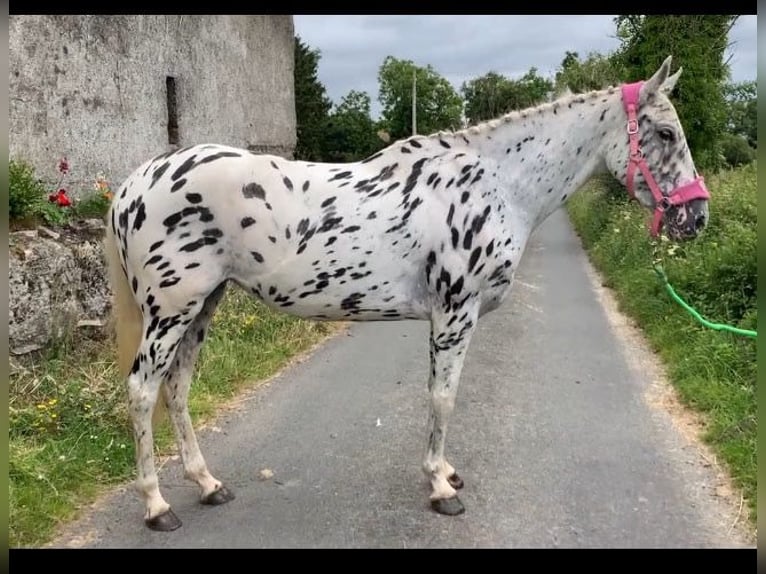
414,100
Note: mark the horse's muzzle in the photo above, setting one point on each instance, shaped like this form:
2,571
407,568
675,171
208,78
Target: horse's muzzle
687,220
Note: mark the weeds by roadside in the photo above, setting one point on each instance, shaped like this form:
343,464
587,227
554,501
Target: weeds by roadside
714,371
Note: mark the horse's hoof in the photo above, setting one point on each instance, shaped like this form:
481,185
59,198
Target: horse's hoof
455,481
220,496
449,506
165,522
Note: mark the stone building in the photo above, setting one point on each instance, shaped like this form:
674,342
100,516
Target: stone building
109,92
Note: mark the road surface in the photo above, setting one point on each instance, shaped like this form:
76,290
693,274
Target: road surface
553,433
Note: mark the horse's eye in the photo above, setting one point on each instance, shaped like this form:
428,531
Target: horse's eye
666,135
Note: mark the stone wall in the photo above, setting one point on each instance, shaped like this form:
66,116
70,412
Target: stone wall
58,285
99,89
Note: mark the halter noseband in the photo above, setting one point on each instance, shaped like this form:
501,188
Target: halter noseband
693,190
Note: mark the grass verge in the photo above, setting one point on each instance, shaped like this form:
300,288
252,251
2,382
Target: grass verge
70,437
713,371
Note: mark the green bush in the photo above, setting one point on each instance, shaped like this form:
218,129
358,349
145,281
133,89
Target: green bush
714,371
29,204
25,192
93,205
736,150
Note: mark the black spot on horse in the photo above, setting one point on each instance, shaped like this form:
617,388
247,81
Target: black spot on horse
257,256
169,282
341,175
183,168
193,197
157,174
474,258
178,185
468,240
201,242
288,183
140,216
247,222
373,157
253,190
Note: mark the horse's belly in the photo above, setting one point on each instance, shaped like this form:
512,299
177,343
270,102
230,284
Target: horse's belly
335,293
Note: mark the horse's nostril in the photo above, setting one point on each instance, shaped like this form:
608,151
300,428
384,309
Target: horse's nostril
699,221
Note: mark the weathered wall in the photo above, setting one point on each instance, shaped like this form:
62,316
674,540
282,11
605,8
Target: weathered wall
58,284
93,88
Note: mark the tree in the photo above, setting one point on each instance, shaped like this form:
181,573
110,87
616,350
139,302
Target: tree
486,97
698,43
351,133
741,110
596,72
493,94
439,107
311,103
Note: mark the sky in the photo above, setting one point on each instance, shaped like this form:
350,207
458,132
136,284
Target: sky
461,48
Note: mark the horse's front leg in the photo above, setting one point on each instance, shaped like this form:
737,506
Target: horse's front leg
451,333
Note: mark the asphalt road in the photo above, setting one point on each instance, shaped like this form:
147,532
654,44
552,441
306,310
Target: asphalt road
552,433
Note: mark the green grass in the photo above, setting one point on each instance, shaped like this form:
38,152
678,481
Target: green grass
70,437
714,371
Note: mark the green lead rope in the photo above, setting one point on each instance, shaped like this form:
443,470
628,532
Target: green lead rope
694,313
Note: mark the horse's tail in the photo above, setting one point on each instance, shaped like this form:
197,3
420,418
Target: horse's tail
126,320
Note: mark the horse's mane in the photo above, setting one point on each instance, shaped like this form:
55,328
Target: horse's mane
564,99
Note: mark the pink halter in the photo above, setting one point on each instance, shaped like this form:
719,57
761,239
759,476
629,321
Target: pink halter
693,190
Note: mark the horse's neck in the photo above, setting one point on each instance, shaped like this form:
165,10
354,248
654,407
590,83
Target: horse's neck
544,155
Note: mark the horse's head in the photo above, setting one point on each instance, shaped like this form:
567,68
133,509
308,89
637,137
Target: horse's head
649,154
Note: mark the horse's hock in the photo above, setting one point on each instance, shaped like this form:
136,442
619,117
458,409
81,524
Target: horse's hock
58,285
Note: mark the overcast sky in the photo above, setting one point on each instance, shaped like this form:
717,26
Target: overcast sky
463,47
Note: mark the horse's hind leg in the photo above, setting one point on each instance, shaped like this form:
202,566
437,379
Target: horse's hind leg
155,353
451,334
176,392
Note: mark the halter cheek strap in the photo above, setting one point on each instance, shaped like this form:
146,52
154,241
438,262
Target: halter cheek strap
693,190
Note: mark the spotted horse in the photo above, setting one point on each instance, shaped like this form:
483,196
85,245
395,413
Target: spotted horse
430,228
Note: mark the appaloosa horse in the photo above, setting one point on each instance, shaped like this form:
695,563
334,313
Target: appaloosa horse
430,228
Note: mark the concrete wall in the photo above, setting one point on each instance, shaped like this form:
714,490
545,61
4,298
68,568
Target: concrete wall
93,88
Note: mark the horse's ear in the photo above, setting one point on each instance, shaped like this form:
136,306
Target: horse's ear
669,84
656,82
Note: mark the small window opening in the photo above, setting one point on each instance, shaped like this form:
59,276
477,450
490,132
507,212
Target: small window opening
170,84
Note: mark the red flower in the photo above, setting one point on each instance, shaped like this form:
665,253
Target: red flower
63,165
60,198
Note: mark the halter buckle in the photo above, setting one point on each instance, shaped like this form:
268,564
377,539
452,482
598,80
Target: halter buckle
637,155
632,127
663,204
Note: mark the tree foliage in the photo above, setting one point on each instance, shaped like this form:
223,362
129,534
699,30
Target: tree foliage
595,72
351,132
741,110
439,107
698,43
492,94
311,103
